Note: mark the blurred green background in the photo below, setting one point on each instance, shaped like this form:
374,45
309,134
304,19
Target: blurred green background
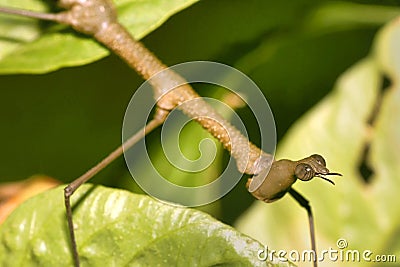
62,123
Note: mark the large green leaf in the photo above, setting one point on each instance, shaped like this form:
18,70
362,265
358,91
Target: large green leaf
118,228
364,214
26,46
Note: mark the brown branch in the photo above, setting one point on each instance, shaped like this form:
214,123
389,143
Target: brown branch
103,25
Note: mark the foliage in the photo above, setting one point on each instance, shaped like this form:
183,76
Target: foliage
134,230
28,48
63,122
357,123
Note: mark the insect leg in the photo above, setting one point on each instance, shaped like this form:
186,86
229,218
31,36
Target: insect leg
306,204
72,187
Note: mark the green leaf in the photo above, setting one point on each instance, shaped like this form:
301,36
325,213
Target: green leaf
340,15
118,228
362,213
26,46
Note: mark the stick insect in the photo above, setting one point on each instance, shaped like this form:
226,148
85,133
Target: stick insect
271,179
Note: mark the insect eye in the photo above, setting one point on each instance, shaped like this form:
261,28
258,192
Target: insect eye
304,172
319,159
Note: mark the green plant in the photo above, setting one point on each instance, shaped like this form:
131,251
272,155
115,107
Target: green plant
303,43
